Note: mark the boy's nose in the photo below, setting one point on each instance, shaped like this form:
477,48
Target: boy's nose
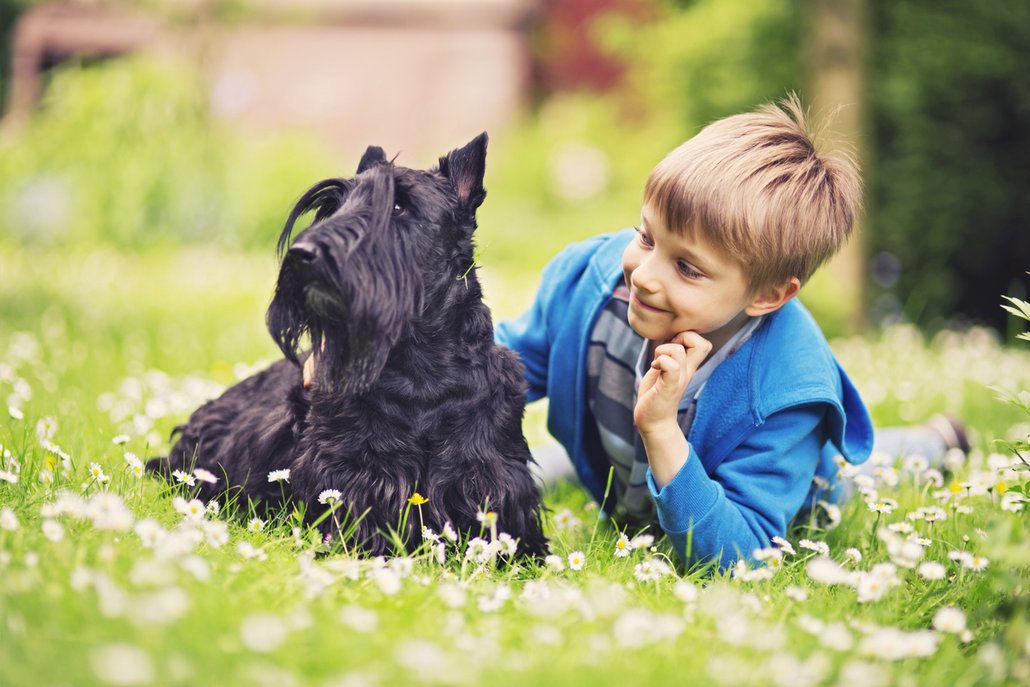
644,277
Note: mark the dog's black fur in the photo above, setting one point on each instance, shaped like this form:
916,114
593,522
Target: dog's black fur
411,392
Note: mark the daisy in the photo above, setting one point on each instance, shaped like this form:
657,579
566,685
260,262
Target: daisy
949,619
931,570
194,509
120,439
507,544
256,525
135,464
784,545
686,592
642,541
577,560
8,476
553,562
97,473
798,594
565,519
8,520
623,547
817,546
853,554
53,531
183,478
976,563
448,532
329,496
204,475
282,475
645,572
478,550
488,518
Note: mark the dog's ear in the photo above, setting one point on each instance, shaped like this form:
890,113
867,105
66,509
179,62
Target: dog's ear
465,168
373,155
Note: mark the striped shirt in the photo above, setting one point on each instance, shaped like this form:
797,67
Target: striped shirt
617,359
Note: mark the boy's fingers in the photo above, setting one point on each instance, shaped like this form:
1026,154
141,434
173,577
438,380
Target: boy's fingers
667,364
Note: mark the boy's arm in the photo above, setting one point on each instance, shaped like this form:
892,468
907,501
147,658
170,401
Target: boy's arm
750,497
532,334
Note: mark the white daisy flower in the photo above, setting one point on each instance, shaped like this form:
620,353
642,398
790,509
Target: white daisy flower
204,475
577,560
564,519
53,531
554,562
819,547
623,547
931,570
784,545
329,496
448,533
8,520
120,440
282,475
97,473
256,525
976,563
949,619
507,544
183,477
642,541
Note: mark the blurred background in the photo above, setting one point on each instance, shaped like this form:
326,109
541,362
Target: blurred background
150,150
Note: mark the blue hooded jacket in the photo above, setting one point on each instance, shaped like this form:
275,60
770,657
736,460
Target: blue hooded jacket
771,417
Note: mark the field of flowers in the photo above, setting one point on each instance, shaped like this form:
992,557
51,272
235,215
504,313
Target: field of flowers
110,577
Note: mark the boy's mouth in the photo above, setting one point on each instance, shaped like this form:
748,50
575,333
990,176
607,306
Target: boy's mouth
641,304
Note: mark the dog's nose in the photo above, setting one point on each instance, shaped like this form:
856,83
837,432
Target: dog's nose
304,251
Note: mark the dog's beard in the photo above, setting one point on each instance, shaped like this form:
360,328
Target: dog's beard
352,331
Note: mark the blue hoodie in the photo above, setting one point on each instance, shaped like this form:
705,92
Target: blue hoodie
771,417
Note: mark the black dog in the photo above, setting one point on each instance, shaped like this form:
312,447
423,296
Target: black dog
411,392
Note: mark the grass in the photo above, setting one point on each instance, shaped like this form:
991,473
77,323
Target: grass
104,344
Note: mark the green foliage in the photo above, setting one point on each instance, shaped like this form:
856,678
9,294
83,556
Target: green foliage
950,98
703,60
1021,400
125,153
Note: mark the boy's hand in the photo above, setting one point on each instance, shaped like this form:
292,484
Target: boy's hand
662,387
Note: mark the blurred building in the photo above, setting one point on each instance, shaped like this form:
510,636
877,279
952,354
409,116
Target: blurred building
419,76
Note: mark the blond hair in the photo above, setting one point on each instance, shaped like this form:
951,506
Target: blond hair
754,186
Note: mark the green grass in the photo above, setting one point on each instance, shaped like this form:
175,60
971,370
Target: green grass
82,337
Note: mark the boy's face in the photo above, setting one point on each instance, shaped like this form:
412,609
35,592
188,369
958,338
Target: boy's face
681,283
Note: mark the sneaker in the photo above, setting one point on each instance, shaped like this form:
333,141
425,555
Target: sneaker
951,429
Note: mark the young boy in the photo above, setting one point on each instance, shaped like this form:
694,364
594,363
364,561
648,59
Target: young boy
675,356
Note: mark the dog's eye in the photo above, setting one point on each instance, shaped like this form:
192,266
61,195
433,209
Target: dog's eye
397,210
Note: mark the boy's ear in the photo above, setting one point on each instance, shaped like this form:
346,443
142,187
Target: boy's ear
771,298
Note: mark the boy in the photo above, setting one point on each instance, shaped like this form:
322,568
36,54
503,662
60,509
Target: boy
675,356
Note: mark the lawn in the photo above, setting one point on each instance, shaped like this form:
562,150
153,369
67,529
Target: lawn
109,579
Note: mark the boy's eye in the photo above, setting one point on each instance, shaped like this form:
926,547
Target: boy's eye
642,236
688,271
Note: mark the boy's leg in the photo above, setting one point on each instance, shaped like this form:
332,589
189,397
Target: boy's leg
936,440
552,465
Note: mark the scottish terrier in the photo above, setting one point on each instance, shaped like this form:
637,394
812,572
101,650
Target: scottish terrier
410,392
